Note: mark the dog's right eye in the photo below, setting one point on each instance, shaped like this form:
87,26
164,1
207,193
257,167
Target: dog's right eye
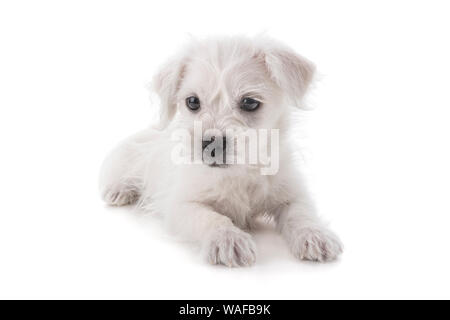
193,103
249,104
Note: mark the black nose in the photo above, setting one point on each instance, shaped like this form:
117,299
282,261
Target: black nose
206,142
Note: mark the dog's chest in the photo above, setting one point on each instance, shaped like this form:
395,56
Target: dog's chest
241,197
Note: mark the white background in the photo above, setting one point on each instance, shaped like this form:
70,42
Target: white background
73,82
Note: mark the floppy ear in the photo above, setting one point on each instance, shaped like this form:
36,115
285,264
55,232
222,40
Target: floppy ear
292,72
166,84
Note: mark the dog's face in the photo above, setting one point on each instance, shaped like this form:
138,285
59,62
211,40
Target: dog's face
227,92
232,83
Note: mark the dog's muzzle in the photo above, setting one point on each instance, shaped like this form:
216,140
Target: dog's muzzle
214,151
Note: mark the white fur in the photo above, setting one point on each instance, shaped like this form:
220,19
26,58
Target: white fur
215,205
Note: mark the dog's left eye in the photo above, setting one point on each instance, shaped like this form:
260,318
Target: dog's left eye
193,103
249,104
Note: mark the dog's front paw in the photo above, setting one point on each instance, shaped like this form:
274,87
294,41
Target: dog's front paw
230,246
315,244
120,196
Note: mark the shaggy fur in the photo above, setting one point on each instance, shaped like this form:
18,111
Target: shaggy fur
215,206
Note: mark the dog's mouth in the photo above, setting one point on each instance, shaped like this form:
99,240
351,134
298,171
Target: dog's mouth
216,165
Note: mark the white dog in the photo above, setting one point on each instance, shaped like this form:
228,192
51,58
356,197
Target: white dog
224,84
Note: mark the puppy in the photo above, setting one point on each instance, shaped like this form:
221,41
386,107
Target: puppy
218,91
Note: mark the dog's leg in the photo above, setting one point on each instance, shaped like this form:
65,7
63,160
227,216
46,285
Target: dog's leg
120,193
306,235
221,241
122,170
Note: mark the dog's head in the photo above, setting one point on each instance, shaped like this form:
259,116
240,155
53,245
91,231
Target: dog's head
232,83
